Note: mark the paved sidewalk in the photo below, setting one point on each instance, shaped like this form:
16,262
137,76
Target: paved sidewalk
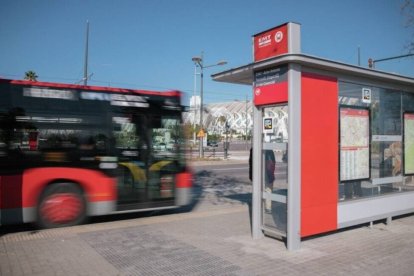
211,242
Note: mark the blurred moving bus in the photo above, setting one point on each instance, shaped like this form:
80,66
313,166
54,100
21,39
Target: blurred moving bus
68,152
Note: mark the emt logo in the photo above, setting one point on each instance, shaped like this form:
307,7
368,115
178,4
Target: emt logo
278,36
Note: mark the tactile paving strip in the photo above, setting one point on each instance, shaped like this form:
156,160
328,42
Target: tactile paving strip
143,251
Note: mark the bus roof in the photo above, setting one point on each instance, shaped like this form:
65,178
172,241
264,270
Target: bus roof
170,93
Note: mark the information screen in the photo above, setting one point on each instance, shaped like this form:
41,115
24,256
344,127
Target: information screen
271,86
408,143
354,133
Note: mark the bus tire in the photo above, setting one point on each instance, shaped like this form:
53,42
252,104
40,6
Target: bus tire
61,204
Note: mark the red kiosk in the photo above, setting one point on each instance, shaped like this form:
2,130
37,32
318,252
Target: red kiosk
333,143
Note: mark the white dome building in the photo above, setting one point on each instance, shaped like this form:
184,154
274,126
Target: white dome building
237,114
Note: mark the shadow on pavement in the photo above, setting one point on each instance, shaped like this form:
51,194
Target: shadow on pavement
211,189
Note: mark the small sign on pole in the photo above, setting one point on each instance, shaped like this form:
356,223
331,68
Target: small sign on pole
201,134
366,95
267,125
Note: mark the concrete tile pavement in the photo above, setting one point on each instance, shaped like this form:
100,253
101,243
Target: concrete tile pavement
210,242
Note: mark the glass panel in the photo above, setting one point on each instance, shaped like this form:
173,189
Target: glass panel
125,133
386,143
166,135
275,168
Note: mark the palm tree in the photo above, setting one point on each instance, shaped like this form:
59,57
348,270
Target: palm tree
30,75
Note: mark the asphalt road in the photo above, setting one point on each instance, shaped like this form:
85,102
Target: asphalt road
237,171
220,185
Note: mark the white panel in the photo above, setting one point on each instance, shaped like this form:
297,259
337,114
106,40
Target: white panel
275,146
101,208
182,196
274,197
386,138
370,209
386,180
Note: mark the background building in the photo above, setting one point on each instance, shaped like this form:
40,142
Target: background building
237,115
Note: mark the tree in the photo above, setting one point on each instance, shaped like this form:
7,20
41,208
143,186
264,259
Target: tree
407,11
30,75
189,129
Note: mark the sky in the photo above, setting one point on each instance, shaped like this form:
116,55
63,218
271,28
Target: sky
149,44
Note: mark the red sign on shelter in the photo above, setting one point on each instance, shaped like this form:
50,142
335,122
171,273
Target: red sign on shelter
271,43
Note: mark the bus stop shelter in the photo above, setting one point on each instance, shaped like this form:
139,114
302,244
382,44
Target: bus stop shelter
333,143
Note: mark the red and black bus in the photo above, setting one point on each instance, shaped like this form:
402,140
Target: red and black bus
69,151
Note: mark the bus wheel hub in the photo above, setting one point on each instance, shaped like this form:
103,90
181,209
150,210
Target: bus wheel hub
61,208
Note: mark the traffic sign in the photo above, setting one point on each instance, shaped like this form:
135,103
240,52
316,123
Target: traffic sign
201,134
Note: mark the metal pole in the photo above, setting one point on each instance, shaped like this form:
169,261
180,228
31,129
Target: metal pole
194,102
245,135
85,68
371,62
390,58
201,106
226,143
257,174
199,61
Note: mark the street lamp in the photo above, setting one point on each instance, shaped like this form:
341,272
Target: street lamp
194,104
198,61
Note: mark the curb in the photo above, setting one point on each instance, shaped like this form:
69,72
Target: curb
198,163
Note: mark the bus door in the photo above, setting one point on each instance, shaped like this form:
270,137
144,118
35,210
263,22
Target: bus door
274,171
132,152
147,162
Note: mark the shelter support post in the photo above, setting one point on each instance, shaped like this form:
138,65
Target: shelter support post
294,159
256,163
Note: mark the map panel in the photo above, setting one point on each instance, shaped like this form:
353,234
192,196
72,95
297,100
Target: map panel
354,157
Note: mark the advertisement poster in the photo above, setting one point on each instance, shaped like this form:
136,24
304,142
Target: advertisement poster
354,156
409,143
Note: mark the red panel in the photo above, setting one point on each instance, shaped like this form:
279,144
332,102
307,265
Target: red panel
269,94
319,194
97,186
184,180
10,191
271,43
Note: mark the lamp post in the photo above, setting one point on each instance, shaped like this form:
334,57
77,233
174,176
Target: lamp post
245,134
194,103
198,61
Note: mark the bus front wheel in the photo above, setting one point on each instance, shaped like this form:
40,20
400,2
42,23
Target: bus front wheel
61,204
